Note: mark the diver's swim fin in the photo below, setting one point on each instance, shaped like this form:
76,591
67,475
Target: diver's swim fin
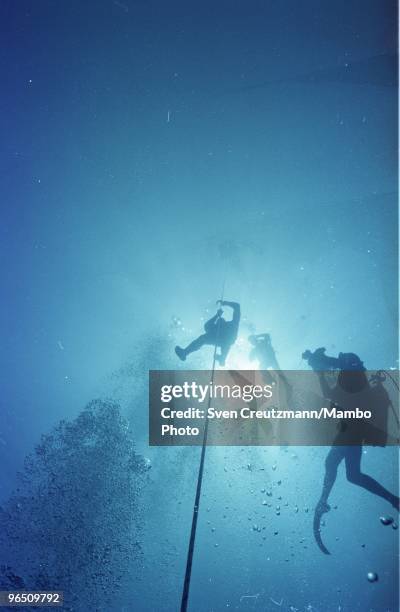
319,512
181,353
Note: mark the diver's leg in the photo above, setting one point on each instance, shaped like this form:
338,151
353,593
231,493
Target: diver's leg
193,346
335,456
355,476
221,358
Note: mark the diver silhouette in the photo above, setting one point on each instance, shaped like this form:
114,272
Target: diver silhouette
351,379
218,332
264,353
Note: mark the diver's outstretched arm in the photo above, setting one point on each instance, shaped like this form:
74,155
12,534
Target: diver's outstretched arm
235,307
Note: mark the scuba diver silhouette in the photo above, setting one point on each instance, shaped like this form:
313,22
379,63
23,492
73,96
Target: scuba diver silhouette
351,380
218,332
264,353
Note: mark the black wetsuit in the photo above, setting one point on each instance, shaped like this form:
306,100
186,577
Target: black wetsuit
346,450
218,332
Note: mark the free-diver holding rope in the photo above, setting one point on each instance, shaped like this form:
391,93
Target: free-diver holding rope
192,539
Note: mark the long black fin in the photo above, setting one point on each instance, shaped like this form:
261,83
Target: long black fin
317,532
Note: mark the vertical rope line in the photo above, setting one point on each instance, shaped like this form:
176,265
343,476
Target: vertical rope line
192,539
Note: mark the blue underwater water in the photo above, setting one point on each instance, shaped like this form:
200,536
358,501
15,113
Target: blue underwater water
154,153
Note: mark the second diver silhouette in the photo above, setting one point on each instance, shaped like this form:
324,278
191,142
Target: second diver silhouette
351,379
218,332
264,353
